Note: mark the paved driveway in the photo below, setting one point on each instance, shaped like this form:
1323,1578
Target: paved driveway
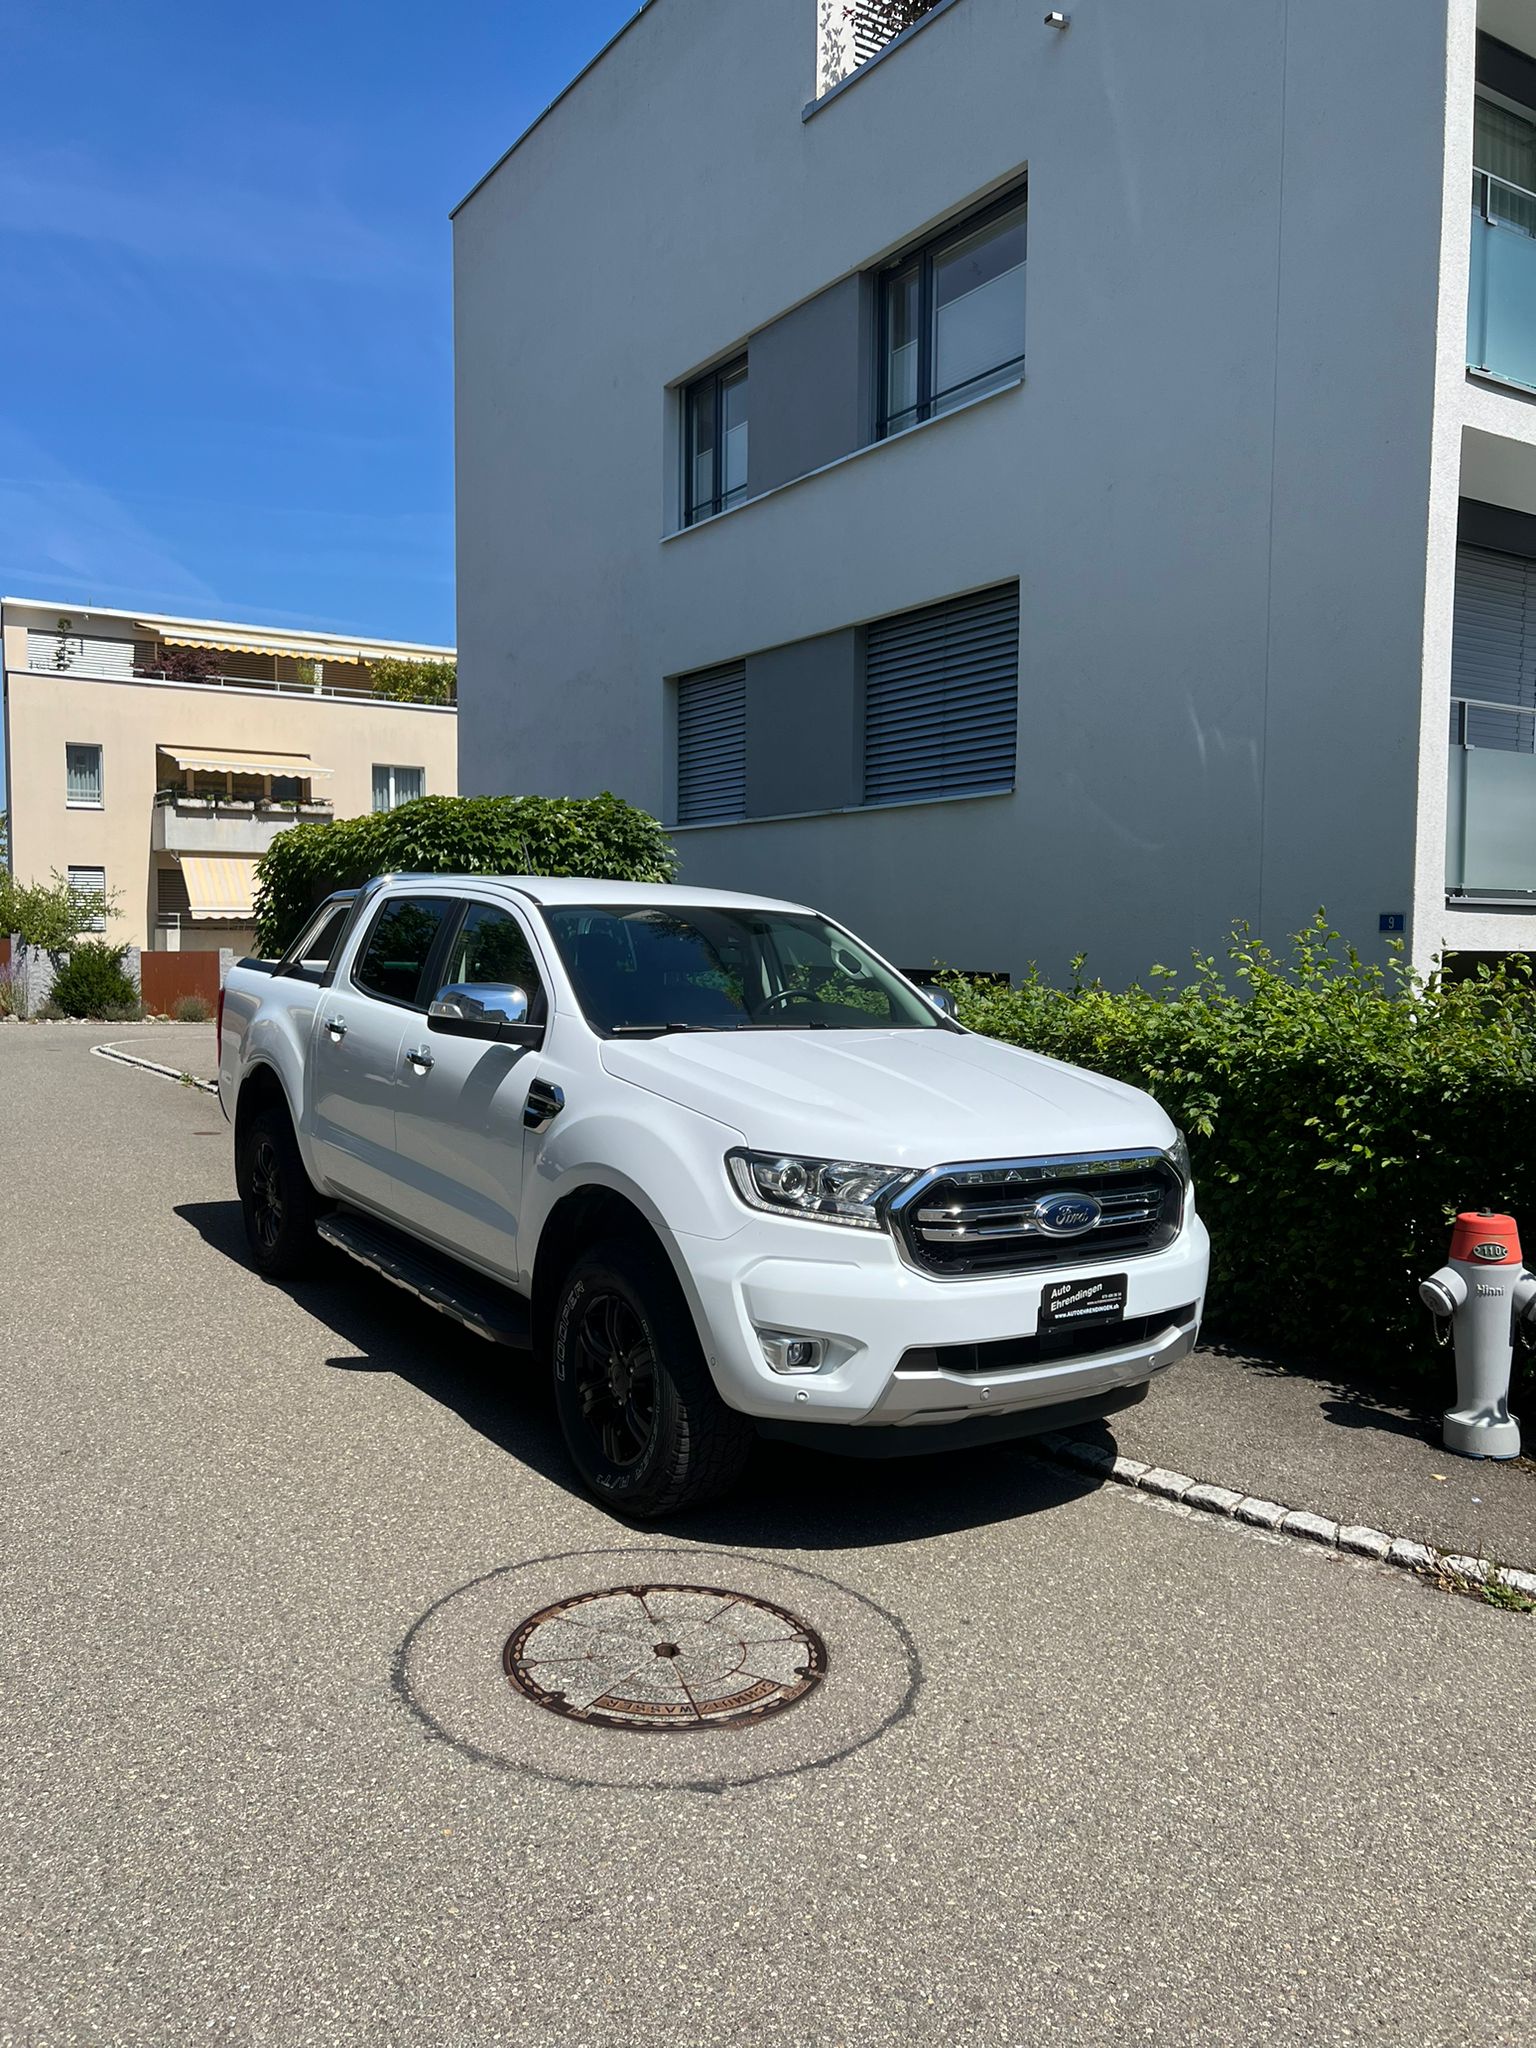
1083,1769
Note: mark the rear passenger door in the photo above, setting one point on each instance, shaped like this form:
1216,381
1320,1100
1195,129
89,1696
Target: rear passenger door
459,1124
364,1024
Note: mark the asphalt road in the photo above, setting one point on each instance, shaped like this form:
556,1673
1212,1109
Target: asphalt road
1083,1769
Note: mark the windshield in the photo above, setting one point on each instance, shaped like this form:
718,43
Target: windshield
644,971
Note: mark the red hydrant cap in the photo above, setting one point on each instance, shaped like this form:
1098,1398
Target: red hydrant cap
1484,1239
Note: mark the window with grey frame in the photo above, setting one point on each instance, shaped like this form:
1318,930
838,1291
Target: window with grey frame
82,777
394,785
941,699
952,316
715,441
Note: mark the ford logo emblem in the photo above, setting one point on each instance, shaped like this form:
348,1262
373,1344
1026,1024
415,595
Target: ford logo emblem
1066,1215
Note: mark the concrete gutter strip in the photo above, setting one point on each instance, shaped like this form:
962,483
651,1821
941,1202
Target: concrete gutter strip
1353,1538
129,1059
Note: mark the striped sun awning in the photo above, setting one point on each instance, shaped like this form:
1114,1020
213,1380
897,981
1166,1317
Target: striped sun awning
219,885
213,762
245,643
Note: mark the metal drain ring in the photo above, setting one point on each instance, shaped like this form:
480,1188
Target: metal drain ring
659,1659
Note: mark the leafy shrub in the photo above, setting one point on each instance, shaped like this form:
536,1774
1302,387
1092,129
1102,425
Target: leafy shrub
601,836
414,682
1338,1116
92,983
191,1009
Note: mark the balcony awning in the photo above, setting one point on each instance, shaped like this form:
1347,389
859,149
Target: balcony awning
248,642
244,764
219,884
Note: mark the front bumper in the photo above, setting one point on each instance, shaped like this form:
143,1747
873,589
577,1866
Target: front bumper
872,1313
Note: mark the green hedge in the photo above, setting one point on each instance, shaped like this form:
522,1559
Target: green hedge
91,983
1338,1115
475,835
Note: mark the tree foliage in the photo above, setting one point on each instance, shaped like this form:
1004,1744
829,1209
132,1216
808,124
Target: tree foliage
414,682
601,836
47,917
1338,1116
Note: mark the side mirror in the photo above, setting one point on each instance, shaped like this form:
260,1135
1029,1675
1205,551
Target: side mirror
493,1010
940,998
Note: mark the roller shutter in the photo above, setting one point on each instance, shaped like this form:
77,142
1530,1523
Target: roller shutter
941,699
712,745
1493,655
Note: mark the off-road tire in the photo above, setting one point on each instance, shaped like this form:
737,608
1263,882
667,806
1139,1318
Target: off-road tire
697,1446
278,1204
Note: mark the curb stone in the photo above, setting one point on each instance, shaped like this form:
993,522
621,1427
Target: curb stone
1355,1537
128,1059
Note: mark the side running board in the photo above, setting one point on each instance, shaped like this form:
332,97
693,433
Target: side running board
492,1312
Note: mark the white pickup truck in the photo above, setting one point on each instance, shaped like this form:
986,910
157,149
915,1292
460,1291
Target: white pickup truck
715,1162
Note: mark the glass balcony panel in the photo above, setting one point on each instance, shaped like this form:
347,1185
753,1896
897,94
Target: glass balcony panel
1501,309
1491,822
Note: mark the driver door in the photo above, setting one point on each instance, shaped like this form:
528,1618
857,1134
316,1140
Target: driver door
459,1137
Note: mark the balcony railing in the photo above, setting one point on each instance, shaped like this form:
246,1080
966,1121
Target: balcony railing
1490,835
1501,305
850,32
279,688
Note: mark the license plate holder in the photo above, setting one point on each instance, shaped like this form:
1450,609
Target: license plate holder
1068,1304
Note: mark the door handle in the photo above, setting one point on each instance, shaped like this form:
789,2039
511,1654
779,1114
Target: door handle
542,1104
419,1057
337,1026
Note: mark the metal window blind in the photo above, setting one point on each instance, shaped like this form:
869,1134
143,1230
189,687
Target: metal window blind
941,701
712,745
94,657
90,881
1493,649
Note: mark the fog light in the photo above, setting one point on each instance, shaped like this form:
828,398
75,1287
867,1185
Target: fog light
791,1354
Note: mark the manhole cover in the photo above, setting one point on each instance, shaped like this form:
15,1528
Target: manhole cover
670,1658
751,1635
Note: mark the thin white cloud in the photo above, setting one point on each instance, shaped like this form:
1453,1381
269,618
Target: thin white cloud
63,537
200,223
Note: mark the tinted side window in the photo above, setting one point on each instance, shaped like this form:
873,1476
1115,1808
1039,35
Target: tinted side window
492,946
394,955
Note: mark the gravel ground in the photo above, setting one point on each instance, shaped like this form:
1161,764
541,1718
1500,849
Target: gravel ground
1152,1778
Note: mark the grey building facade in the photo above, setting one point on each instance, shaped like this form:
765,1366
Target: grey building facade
1038,488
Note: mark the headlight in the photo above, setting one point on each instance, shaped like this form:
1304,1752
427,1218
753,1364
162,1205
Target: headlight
1177,1156
823,1190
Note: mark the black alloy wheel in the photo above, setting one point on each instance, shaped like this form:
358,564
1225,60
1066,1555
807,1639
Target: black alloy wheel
615,1370
277,1202
638,1407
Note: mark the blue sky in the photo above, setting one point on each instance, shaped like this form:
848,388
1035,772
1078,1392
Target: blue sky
227,377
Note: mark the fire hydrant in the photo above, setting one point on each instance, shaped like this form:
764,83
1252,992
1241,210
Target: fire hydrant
1486,1297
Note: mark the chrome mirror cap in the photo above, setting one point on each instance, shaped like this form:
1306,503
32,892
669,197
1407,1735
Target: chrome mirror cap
940,998
481,1002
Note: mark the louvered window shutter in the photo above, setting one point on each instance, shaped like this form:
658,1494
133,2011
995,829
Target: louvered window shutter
1493,650
90,882
941,699
712,745
94,657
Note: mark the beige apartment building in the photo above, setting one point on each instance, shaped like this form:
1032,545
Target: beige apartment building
158,758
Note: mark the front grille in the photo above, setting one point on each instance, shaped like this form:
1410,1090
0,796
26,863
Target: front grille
1081,1340
971,1220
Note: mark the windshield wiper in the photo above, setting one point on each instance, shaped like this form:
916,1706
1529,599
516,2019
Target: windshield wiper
661,1030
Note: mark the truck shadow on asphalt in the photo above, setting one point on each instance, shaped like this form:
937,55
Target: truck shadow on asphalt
788,1497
